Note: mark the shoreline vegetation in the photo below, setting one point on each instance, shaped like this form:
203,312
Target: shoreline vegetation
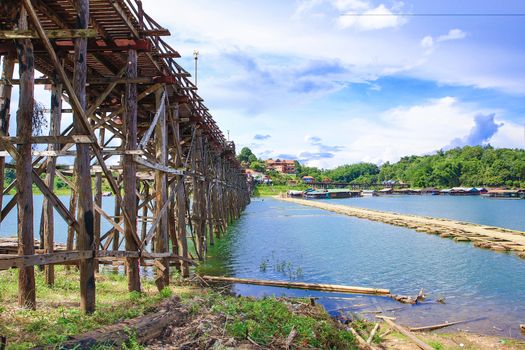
202,317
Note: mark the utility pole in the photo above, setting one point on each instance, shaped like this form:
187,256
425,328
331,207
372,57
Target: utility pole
196,56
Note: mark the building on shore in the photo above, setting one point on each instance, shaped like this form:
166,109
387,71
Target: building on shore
308,179
282,166
503,193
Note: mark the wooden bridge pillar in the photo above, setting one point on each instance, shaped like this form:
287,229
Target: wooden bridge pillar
161,193
47,207
8,65
129,175
24,167
82,165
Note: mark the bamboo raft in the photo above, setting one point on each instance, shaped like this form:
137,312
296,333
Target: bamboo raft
488,237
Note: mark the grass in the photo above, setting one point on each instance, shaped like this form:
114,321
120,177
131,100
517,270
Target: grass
273,190
58,316
269,321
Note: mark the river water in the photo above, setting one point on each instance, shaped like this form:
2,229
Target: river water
284,241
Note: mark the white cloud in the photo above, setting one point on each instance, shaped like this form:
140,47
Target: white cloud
376,18
453,34
427,42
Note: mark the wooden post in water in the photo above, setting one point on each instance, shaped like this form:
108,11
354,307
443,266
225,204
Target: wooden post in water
47,207
161,194
24,127
129,175
82,165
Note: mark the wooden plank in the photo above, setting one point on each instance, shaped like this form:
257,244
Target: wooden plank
51,34
129,174
25,261
84,139
156,166
301,285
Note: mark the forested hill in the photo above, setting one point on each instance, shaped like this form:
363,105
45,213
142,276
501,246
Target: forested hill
467,166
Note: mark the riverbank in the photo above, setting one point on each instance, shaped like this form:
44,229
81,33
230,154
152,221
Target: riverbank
494,238
199,318
202,317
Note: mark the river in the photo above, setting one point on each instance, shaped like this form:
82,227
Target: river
284,241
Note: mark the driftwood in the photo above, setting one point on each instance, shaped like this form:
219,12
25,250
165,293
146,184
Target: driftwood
406,332
144,328
441,325
363,344
301,285
290,338
371,336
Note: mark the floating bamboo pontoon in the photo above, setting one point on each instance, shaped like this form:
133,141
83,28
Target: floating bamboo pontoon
133,104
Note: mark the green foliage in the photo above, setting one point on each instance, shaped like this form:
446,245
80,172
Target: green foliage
467,166
246,156
265,319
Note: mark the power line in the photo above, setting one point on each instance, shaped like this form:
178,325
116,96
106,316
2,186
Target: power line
434,14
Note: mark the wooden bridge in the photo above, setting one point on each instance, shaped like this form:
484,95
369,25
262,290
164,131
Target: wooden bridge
138,123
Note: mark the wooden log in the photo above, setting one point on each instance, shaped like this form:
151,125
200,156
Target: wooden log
180,208
98,201
363,344
300,285
24,169
144,328
441,325
82,164
129,175
47,208
161,195
8,65
421,344
371,336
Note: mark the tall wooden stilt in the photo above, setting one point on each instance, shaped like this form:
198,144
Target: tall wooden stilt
161,194
98,199
82,165
8,65
47,207
129,175
24,127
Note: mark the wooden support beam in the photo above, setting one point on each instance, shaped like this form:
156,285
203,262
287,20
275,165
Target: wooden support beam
98,199
161,183
47,209
180,205
129,174
51,34
8,65
24,169
57,139
82,162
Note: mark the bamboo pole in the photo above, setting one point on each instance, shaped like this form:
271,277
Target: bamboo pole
301,285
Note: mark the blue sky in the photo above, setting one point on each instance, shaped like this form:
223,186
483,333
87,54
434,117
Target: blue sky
295,78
